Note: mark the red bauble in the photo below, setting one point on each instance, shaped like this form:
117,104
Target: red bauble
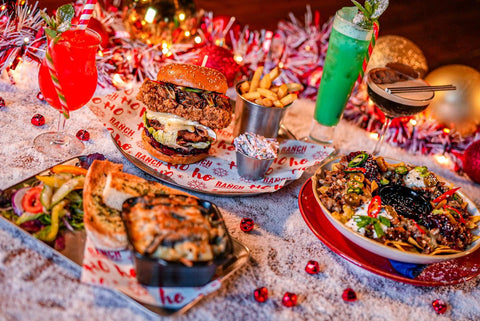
219,58
2,102
289,299
261,294
312,267
439,306
40,96
38,120
82,134
349,295
471,161
247,224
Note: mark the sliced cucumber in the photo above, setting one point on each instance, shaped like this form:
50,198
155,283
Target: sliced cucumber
66,188
46,196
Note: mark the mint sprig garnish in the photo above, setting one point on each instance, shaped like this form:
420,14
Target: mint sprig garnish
370,12
60,22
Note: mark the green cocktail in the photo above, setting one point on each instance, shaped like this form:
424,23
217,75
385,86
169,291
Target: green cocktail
347,48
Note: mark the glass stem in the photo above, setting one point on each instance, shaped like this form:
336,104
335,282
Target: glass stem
383,131
60,138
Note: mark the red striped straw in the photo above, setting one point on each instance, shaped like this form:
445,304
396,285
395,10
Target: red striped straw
376,28
86,14
56,83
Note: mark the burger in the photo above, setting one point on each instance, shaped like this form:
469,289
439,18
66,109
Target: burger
184,105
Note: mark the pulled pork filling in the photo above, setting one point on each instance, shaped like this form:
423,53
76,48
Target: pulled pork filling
210,109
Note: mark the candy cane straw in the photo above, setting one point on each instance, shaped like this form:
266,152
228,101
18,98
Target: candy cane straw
86,14
56,83
376,28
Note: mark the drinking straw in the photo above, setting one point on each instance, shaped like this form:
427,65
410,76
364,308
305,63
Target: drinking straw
86,14
56,83
376,28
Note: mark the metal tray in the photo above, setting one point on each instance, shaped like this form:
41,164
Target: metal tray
73,252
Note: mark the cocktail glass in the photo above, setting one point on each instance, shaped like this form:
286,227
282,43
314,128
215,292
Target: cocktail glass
393,105
73,57
347,48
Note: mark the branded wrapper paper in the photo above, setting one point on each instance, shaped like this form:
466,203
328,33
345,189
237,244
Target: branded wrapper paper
115,269
121,113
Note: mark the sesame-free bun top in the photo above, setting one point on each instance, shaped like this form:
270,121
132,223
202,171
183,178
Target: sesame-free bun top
193,76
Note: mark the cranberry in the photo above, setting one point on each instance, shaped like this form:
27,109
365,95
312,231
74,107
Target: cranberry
312,267
349,295
289,299
247,224
439,306
2,102
40,96
83,135
38,120
261,294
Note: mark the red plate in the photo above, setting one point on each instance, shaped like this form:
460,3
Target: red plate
437,274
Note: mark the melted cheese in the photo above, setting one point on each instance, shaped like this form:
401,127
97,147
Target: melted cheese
172,125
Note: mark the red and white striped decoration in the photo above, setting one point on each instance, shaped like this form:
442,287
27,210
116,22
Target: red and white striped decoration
56,83
86,14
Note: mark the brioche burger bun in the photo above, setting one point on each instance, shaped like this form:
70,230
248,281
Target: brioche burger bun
184,105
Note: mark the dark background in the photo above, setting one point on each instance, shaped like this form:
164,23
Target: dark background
448,31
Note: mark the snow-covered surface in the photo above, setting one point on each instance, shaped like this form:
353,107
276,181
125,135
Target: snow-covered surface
38,284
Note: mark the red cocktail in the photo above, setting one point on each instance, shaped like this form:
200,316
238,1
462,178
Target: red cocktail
74,59
73,56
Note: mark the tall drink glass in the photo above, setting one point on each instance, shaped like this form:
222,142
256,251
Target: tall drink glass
347,48
74,61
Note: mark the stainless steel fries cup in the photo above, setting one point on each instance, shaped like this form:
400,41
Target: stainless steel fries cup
258,119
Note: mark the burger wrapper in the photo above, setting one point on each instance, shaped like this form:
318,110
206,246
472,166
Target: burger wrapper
116,269
121,113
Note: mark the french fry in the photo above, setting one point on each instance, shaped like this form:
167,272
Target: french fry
274,73
288,99
277,103
250,96
256,79
266,82
294,87
267,102
261,91
267,93
244,87
282,91
274,89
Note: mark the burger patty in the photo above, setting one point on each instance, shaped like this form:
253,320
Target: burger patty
183,136
208,108
172,151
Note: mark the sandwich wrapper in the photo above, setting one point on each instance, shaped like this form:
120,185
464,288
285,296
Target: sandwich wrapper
116,269
121,113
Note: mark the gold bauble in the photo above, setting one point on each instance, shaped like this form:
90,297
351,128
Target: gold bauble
458,109
160,21
398,49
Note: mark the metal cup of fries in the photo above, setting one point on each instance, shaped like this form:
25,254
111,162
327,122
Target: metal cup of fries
260,107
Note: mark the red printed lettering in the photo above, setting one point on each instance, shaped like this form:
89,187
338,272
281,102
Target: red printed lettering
196,174
130,274
170,299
